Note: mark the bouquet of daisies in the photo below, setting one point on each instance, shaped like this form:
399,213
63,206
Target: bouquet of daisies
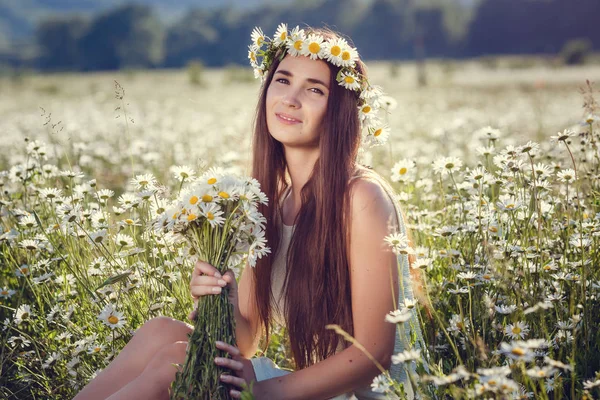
217,216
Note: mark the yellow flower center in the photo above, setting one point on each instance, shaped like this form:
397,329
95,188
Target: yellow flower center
493,229
336,50
314,47
97,349
460,325
212,181
403,171
210,216
259,40
349,79
366,109
547,267
24,270
346,55
193,199
192,217
25,315
175,216
224,195
510,206
252,56
283,36
207,198
4,293
298,45
378,132
487,276
129,221
518,351
113,320
516,330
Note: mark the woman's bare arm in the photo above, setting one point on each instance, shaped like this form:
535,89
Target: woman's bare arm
247,329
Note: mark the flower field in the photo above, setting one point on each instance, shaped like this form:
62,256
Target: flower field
498,171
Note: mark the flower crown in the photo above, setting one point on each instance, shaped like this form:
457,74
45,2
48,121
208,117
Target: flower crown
338,52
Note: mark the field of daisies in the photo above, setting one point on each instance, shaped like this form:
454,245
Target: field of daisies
496,168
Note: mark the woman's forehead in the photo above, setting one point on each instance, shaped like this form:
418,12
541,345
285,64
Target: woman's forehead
303,67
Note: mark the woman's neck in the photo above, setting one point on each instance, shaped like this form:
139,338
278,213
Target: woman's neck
300,164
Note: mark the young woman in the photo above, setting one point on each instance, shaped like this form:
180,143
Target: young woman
327,219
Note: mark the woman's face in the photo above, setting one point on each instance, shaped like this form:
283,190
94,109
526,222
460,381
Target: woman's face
297,101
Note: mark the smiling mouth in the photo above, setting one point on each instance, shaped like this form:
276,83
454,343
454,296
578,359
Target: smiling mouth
287,119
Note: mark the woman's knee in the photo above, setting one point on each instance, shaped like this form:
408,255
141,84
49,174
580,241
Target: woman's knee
170,329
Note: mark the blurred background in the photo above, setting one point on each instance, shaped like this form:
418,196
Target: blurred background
93,35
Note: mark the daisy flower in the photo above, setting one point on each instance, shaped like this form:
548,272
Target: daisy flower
212,213
517,331
349,57
398,316
29,244
334,50
23,270
123,240
105,194
422,263
566,176
144,182
397,241
23,313
367,111
252,56
296,41
313,47
403,171
6,292
28,221
349,81
380,384
111,317
281,34
183,172
406,355
446,165
562,136
50,193
258,37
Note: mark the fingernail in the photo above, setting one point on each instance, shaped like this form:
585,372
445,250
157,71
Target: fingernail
221,282
218,360
216,290
218,342
218,275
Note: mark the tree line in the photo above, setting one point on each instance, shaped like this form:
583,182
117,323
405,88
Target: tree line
133,36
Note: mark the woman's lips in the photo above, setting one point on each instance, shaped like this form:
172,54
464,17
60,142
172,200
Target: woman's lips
286,119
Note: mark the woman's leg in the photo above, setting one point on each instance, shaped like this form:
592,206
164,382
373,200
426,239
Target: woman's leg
153,336
154,382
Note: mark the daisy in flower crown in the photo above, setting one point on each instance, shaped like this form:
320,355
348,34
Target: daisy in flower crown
339,247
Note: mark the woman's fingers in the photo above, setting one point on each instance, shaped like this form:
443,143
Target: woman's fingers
206,269
234,351
229,363
234,380
201,290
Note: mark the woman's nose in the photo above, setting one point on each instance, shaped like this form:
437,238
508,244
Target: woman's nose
291,100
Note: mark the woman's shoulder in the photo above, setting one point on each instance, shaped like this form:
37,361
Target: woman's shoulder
370,193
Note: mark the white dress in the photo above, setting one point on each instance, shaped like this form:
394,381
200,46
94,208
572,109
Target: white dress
265,368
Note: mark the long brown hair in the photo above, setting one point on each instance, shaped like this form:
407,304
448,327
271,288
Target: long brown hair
317,285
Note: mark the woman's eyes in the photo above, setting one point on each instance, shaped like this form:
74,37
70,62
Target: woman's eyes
286,82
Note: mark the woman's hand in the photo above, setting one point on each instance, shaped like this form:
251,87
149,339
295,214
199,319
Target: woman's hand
207,280
244,371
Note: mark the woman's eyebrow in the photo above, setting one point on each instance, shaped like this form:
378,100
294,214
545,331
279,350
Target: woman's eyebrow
311,80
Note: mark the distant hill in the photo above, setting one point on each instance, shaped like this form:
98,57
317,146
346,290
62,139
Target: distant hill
18,17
